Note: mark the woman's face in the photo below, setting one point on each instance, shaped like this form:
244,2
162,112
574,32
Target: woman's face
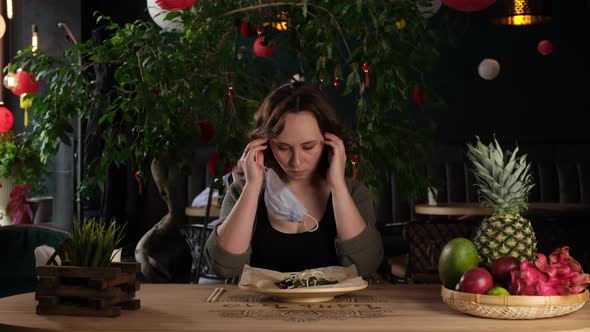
299,147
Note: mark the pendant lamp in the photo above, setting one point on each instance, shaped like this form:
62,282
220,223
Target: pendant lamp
520,12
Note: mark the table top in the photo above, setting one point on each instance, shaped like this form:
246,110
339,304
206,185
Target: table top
183,307
474,209
200,212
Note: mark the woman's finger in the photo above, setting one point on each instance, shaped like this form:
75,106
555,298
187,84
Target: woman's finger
252,154
335,144
254,143
260,158
337,149
332,137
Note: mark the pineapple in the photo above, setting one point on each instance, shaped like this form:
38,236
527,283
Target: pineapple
503,187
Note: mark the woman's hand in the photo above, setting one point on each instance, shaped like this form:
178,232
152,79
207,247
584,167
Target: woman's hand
251,165
337,159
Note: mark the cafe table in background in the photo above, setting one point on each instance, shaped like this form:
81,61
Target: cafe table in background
184,307
462,210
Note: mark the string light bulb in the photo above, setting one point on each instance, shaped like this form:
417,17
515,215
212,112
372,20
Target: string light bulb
9,9
35,38
9,80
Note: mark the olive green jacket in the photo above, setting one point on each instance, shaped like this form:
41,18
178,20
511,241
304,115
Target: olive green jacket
364,250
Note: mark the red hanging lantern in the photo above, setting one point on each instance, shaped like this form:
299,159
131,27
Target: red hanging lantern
366,67
545,47
25,82
468,5
355,160
248,29
6,119
207,131
337,81
212,165
175,4
261,50
139,179
419,96
230,98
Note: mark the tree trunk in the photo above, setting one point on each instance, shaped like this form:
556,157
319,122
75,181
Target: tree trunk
162,251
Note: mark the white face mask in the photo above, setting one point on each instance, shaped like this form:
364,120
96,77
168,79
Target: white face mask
282,203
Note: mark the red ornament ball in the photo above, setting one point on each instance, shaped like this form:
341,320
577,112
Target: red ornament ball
545,47
6,119
212,165
25,82
263,51
248,29
468,5
337,82
419,96
175,4
207,131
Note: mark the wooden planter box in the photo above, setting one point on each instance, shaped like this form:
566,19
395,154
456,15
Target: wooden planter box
82,291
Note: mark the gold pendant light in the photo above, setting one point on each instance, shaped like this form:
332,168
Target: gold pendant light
520,12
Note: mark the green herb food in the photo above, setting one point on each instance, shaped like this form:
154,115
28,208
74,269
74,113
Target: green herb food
308,278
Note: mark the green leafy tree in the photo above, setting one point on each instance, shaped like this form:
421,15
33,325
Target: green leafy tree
166,83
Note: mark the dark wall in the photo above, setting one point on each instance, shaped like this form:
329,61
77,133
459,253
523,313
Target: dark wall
120,11
535,99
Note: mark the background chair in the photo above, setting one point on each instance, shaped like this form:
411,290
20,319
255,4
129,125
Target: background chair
17,255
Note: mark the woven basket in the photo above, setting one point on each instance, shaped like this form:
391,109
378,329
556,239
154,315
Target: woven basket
514,306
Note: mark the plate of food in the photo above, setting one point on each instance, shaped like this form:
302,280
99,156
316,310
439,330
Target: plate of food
316,285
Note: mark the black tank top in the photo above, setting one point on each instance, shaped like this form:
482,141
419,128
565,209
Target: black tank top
284,252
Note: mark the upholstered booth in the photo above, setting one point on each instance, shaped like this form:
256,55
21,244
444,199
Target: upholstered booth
17,255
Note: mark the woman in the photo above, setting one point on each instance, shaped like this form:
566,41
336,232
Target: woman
300,212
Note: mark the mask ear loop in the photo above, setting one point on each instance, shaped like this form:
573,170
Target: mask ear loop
315,228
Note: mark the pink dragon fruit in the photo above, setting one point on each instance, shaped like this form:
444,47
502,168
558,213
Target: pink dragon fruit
562,275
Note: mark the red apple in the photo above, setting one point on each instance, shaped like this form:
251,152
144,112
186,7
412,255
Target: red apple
501,268
477,280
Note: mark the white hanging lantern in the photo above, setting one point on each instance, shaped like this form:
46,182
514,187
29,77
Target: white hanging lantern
159,16
429,10
489,69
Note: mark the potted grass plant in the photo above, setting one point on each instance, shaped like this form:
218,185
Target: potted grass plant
95,286
92,243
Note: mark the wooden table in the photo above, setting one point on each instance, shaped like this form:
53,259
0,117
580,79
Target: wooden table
175,307
201,212
474,209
